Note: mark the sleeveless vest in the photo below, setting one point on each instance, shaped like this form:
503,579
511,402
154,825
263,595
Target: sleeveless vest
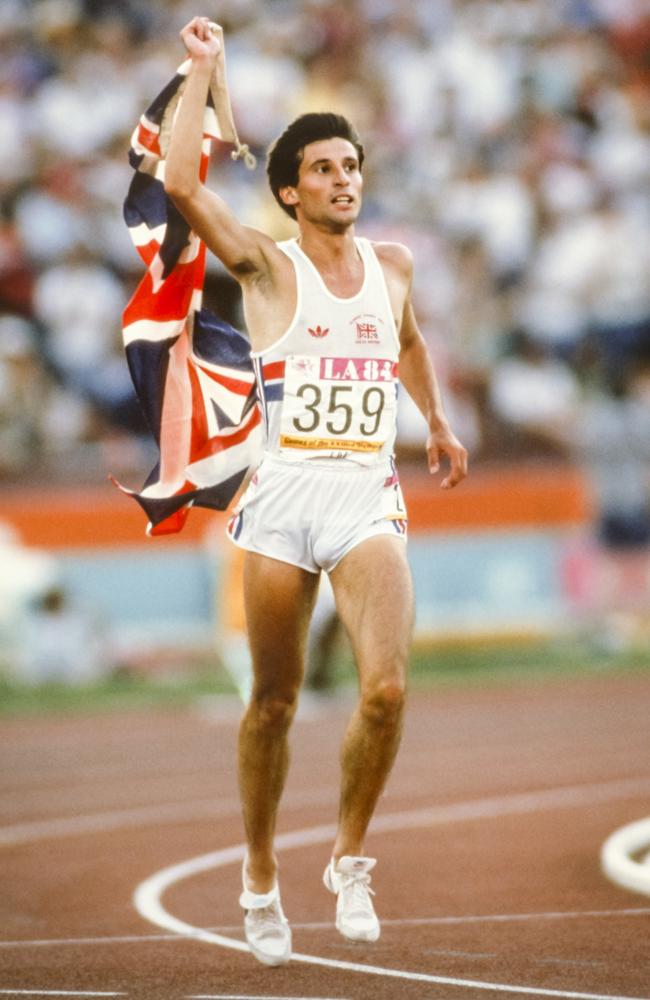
328,385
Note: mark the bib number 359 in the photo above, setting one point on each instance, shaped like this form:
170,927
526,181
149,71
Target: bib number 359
337,412
338,406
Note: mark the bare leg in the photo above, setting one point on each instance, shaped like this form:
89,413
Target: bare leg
374,596
279,599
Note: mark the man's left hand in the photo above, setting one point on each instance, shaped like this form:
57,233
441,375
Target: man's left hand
444,442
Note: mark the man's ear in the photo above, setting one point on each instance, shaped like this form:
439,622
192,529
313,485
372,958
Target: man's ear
288,195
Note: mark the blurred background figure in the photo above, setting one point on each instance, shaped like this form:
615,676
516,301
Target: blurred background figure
26,576
63,642
609,434
45,635
530,388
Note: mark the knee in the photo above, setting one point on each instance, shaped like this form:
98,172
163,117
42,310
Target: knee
272,712
383,702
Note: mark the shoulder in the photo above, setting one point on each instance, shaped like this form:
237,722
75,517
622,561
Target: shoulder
397,264
395,256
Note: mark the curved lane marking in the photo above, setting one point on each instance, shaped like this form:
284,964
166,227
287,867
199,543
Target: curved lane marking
617,856
147,896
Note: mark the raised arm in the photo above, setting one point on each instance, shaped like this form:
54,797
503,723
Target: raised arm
245,252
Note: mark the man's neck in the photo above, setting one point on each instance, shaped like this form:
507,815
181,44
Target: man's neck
327,249
336,258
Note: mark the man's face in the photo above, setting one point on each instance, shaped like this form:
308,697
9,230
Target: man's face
328,192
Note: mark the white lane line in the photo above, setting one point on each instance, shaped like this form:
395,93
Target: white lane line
570,961
569,797
496,918
119,819
117,939
474,956
147,896
73,826
59,993
322,925
530,991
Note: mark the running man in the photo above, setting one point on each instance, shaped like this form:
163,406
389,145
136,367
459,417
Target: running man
329,317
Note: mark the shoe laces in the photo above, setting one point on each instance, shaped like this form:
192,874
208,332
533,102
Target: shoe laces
267,920
355,887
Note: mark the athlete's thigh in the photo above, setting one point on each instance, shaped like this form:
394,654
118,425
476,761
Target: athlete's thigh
374,597
278,599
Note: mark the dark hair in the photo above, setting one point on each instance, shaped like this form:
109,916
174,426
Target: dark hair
285,155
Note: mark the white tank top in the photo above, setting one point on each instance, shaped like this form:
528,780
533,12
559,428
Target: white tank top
328,385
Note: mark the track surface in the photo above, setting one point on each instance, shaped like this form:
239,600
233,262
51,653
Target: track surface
488,839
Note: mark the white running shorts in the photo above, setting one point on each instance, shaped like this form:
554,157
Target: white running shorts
311,515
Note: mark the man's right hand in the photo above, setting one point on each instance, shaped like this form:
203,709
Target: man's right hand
203,39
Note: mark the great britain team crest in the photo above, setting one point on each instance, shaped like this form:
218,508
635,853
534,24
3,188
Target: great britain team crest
366,329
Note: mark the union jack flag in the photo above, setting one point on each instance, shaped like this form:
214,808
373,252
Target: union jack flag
191,371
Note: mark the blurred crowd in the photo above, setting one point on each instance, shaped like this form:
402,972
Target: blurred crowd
507,142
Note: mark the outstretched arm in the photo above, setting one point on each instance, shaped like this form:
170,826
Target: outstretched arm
243,251
419,379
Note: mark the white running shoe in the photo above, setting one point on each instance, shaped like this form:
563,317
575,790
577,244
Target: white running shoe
349,879
266,927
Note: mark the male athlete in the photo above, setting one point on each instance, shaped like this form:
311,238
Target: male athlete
330,318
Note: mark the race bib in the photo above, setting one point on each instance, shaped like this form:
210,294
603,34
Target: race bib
338,407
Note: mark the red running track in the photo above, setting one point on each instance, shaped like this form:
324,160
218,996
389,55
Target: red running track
488,839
